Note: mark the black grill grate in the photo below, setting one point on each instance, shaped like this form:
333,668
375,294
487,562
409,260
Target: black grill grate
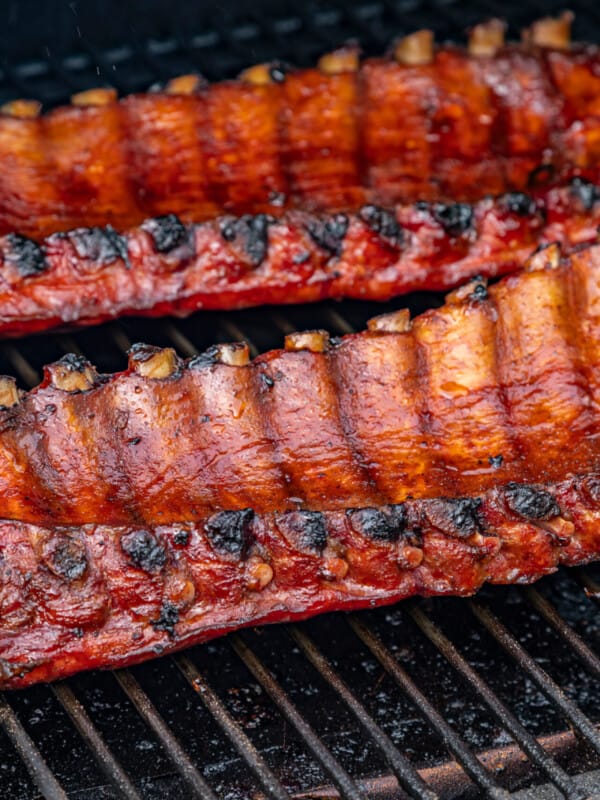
443,698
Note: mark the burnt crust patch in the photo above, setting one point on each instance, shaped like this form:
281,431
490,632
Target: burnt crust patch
206,359
308,528
329,233
66,558
168,618
455,218
144,550
382,222
585,191
101,245
530,502
167,232
251,232
25,255
519,203
455,516
381,525
230,531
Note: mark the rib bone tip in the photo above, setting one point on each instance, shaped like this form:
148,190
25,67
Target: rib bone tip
315,341
551,32
9,394
257,75
546,257
396,322
236,354
416,49
153,362
345,59
487,38
72,374
102,96
22,109
184,84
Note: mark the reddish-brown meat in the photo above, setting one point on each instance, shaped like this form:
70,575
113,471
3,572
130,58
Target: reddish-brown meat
170,503
166,267
424,123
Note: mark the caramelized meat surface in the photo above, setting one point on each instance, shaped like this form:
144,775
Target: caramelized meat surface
145,511
424,123
167,267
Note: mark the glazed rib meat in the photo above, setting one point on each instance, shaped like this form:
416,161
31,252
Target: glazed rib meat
165,505
424,123
348,180
167,267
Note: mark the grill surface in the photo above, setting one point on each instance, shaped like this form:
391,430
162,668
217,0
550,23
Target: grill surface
445,698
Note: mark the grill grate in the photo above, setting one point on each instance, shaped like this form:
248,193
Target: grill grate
430,699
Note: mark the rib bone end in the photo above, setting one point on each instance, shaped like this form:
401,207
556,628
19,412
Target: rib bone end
184,84
551,32
22,109
258,75
72,374
236,354
346,59
415,50
547,257
396,322
153,362
487,38
95,97
9,394
315,341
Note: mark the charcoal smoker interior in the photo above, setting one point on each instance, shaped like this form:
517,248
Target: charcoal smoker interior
487,698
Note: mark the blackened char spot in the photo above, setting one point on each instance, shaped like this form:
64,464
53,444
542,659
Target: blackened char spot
68,559
383,222
278,70
181,538
307,527
455,218
329,233
102,245
230,531
252,232
455,516
74,362
167,232
207,358
378,524
496,461
169,617
531,502
587,192
144,550
26,255
480,292
519,203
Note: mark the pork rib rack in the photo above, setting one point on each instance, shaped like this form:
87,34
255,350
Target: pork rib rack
165,505
423,123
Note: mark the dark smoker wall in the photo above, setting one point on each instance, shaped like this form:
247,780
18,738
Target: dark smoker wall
298,30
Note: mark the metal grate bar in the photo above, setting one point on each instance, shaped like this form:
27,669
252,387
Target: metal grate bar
255,761
407,775
196,783
551,615
528,743
591,586
109,764
577,718
451,739
24,369
340,777
38,769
